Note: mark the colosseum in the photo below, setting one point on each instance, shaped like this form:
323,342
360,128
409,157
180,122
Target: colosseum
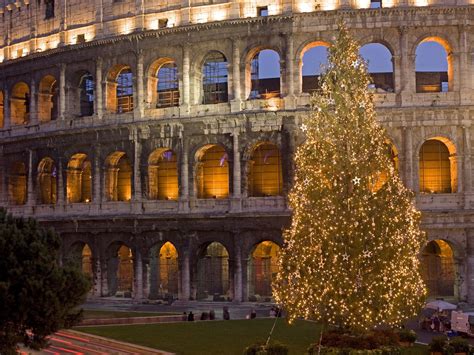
157,137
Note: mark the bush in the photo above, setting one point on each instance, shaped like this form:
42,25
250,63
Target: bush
374,339
272,349
459,345
407,335
438,344
313,350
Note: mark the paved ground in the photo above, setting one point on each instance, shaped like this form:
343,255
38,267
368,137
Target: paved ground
70,343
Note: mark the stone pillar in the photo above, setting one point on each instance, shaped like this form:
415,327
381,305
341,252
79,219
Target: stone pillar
464,67
186,79
408,152
97,277
146,277
60,183
236,202
62,91
185,277
236,103
138,277
137,181
99,99
407,68
238,273
139,97
6,108
467,170
31,192
184,196
104,280
96,178
33,101
289,75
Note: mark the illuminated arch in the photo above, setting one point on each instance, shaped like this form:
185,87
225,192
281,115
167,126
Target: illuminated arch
265,171
17,185
212,172
438,269
164,272
213,278
120,270
47,175
79,179
215,78
380,66
162,175
262,268
119,89
314,56
263,74
434,65
81,257
438,166
20,104
163,83
48,99
118,177
2,108
86,95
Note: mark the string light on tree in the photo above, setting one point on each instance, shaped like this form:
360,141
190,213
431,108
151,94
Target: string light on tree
351,253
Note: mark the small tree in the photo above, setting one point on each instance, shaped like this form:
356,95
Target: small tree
351,254
37,296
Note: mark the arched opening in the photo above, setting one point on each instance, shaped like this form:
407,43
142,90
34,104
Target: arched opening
262,268
118,177
433,66
212,172
314,60
380,66
438,167
120,89
164,84
162,175
214,79
2,108
120,270
213,273
20,104
164,272
48,99
47,175
265,171
81,257
264,74
79,179
438,268
17,188
86,95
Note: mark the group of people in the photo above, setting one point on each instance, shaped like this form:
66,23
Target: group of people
438,322
211,315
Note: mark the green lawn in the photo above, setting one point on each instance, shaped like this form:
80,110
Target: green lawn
95,314
218,337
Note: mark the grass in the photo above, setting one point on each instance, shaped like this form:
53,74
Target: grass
93,314
218,337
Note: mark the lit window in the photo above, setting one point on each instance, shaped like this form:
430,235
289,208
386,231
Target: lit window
167,88
214,79
262,11
375,4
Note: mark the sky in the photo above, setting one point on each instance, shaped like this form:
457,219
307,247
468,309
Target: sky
430,56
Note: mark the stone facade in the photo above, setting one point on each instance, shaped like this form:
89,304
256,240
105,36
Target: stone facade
122,35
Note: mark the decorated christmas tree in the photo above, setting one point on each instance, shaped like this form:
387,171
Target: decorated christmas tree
351,254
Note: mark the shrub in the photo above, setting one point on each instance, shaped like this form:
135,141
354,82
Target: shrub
313,350
438,344
407,335
371,340
259,348
459,345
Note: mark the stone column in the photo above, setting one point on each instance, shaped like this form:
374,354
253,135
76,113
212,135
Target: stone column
30,188
137,181
104,280
409,178
238,273
236,103
6,108
97,277
138,277
185,277
186,79
236,202
407,68
140,93
60,183
290,66
62,91
184,196
33,101
464,67
99,100
96,179
467,170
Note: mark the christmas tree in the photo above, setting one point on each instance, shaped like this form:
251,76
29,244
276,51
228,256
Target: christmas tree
351,254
